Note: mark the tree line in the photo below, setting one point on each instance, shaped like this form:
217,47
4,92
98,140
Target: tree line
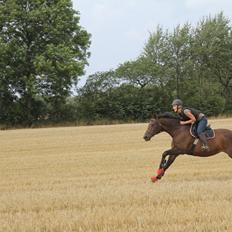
191,62
44,50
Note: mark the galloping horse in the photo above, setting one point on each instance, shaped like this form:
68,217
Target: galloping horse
183,141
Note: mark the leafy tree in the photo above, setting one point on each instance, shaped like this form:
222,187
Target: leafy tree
141,72
171,54
92,95
43,50
179,58
156,54
212,54
100,82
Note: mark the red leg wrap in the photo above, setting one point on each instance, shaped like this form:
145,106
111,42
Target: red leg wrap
160,171
154,179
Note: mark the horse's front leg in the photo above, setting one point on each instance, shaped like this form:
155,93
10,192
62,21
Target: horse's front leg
165,164
168,163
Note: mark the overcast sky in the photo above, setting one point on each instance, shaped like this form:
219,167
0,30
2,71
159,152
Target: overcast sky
120,28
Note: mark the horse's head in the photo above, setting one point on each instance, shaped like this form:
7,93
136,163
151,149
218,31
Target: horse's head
154,127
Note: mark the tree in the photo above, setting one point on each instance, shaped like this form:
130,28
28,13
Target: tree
156,54
92,97
213,55
140,72
179,58
171,54
43,51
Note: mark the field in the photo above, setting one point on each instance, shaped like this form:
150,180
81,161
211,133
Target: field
97,178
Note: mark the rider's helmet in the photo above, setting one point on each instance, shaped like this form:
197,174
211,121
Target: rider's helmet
177,102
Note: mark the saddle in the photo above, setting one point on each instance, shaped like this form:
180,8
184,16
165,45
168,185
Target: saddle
209,132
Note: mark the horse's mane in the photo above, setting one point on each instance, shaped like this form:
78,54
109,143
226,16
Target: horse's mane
168,115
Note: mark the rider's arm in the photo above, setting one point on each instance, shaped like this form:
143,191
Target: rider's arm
191,117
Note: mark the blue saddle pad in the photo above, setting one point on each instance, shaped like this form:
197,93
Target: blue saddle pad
209,132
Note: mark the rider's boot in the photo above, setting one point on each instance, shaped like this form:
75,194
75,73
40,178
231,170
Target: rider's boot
203,139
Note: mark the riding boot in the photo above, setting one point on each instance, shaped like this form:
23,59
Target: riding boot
203,139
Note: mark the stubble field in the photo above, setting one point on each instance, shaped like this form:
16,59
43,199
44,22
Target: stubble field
97,178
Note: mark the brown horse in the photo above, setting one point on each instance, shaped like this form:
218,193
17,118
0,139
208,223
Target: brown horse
183,142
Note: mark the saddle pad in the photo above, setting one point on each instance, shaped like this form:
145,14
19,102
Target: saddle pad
209,132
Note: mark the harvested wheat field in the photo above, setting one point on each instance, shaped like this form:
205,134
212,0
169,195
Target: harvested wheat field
97,178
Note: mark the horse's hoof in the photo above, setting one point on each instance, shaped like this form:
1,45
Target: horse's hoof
154,179
160,172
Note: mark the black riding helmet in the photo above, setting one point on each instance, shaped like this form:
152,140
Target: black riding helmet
177,102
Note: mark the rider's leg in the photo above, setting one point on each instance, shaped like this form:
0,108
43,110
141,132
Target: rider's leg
202,124
203,139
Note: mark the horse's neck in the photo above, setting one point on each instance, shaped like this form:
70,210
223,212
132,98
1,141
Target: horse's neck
170,126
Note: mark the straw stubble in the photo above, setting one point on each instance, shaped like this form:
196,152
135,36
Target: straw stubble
97,178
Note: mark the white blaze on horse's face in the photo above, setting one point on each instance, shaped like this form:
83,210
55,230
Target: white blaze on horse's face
154,128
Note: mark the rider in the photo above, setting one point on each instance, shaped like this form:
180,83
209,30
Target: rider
191,116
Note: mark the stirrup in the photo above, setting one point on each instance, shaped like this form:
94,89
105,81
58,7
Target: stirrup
205,147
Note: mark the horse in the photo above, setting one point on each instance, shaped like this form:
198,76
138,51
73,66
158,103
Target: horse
183,142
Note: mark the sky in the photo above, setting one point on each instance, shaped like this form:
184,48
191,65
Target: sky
120,28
